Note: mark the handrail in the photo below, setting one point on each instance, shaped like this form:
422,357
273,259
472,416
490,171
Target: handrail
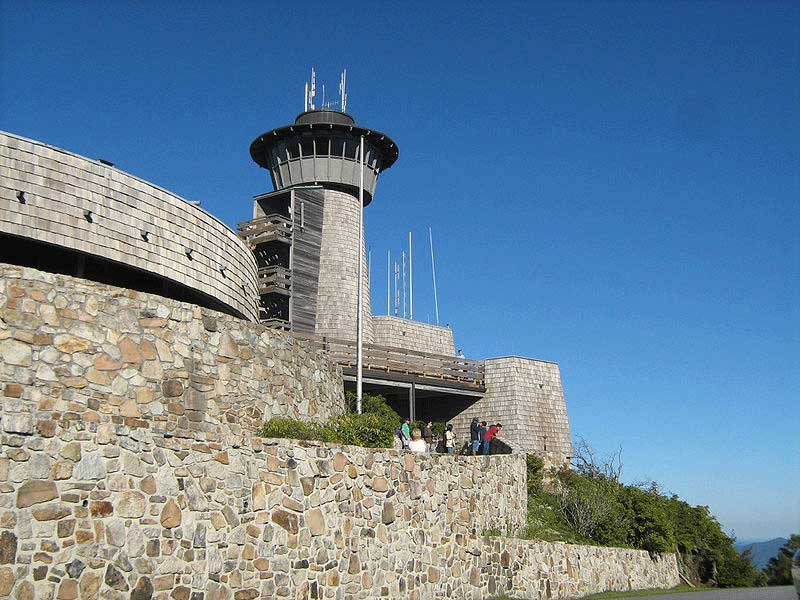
444,368
274,278
269,218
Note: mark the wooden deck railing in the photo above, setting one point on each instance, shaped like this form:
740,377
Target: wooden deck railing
399,361
274,278
266,229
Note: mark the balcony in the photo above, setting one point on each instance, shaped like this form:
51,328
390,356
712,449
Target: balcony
270,228
275,280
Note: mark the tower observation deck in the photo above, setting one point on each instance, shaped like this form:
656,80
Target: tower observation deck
321,148
305,234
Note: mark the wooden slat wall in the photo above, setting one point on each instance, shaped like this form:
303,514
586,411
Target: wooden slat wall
305,257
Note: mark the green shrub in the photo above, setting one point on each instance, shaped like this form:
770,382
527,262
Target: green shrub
590,505
374,428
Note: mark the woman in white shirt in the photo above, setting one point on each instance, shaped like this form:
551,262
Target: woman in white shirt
417,444
450,440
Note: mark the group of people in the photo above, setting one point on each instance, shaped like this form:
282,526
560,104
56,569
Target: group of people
481,436
424,440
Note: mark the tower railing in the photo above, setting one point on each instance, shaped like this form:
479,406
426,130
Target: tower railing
274,278
385,362
266,229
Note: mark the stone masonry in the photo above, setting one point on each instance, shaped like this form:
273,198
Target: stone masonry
129,470
105,511
526,396
413,335
72,349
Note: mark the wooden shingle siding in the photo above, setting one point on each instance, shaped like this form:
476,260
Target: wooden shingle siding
307,240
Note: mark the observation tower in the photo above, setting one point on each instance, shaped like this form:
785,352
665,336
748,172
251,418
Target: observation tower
305,233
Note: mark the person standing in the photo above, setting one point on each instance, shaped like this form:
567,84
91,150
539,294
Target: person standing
484,445
474,436
405,432
491,433
417,444
427,434
450,440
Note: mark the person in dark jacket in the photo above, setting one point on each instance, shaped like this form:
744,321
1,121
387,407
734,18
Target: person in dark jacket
484,444
427,434
474,436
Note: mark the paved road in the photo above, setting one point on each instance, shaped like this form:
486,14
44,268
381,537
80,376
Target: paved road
771,593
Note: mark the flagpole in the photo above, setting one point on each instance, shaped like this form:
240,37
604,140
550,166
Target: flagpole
359,319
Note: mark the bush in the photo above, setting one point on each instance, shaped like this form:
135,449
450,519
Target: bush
374,428
590,505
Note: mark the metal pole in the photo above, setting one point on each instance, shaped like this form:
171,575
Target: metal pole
403,253
359,319
410,281
388,283
433,268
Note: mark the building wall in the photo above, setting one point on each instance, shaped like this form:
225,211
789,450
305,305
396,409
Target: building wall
99,510
76,350
413,335
526,396
306,243
338,270
59,186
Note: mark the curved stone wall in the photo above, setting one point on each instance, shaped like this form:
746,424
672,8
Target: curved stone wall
75,350
45,193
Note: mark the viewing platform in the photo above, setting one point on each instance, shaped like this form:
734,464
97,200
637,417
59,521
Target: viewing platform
386,364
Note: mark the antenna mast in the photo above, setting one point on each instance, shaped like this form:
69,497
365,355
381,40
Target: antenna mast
311,91
410,281
343,91
403,253
388,283
433,268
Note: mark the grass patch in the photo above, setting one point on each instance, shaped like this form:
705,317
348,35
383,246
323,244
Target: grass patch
546,522
631,594
638,593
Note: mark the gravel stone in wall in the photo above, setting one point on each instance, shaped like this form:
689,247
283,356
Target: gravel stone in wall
105,511
76,350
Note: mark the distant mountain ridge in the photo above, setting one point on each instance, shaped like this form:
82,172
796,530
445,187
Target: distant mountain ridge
761,552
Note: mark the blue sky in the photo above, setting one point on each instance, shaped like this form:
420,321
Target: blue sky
612,186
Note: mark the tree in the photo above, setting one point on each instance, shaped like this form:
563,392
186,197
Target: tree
779,568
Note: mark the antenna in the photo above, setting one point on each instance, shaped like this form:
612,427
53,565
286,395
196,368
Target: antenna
343,91
403,253
433,268
311,91
396,289
410,281
388,283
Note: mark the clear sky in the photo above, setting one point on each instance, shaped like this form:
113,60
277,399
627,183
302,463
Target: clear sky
612,186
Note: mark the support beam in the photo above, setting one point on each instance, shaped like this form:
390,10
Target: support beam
412,403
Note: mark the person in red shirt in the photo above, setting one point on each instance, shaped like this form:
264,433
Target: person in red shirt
490,434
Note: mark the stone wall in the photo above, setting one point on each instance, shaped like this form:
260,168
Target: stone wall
103,510
526,396
338,270
72,349
46,191
413,335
